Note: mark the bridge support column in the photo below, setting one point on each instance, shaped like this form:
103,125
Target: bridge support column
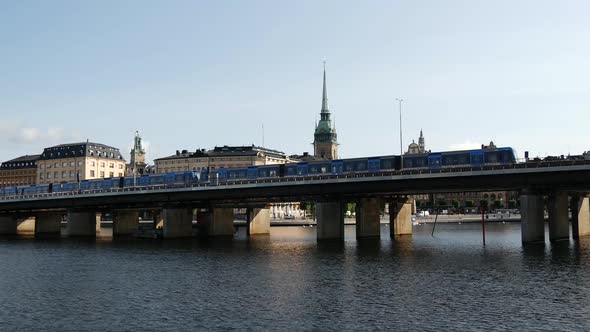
125,222
580,207
368,218
8,225
532,225
82,223
559,228
217,221
400,217
330,220
26,225
258,221
48,223
178,222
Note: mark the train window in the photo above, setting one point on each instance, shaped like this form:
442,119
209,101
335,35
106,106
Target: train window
477,159
492,157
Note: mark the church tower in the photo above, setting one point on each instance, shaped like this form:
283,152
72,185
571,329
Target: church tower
421,144
325,143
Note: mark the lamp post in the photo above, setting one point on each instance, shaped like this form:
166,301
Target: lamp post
134,157
401,144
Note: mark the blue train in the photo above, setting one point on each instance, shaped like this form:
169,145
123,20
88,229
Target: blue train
426,161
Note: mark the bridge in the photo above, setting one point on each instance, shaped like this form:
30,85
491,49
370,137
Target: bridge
566,185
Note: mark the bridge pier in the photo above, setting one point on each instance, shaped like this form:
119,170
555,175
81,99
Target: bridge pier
580,208
217,221
177,222
48,223
400,217
559,228
8,225
330,220
125,222
258,221
26,225
532,225
368,218
83,223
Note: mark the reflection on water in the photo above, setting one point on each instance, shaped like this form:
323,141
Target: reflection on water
287,280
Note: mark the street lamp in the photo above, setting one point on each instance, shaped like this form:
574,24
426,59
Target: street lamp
401,144
134,157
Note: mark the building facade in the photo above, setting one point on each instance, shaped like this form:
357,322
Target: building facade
79,161
325,143
223,156
19,171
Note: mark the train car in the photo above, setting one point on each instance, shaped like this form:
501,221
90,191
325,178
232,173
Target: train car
185,179
465,158
36,189
297,169
10,191
270,171
337,166
356,165
390,163
59,187
239,173
319,167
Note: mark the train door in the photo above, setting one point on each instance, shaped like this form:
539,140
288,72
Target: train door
434,161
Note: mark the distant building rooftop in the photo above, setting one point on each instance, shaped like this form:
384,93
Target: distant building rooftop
305,157
247,150
84,149
21,162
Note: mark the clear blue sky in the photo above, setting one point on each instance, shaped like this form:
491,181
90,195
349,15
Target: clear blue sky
195,74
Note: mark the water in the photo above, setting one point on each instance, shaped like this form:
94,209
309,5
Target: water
287,281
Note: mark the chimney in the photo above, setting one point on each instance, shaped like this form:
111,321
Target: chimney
184,151
178,152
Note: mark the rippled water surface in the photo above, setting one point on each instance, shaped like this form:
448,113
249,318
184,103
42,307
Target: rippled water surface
287,281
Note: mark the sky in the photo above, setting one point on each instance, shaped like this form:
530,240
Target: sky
199,74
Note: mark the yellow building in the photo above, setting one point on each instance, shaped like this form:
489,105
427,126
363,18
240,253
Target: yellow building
19,171
224,156
90,160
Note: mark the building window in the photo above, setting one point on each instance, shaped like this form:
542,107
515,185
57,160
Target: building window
120,166
111,165
56,165
55,175
91,174
71,164
92,163
79,163
63,174
41,166
120,174
48,175
111,174
71,174
41,176
101,164
102,174
64,164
